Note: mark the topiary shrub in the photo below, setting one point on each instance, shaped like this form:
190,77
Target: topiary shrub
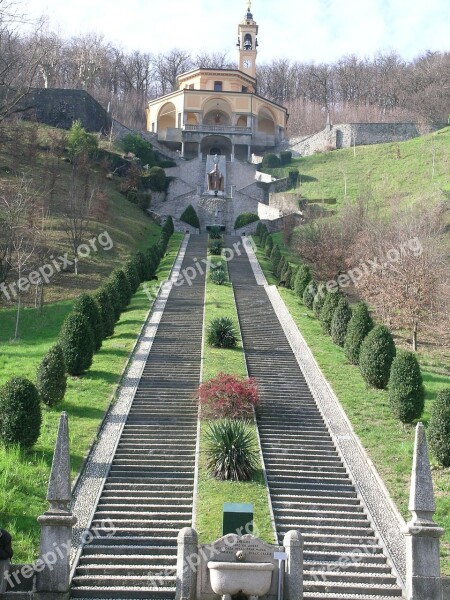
221,333
319,300
270,161
309,294
228,396
328,309
268,246
20,413
406,391
156,179
302,280
190,217
169,226
340,321
106,308
281,267
439,428
88,307
275,257
141,266
215,247
245,219
218,275
258,229
359,326
152,262
285,157
132,275
376,355
293,177
77,343
264,235
120,282
231,451
286,276
116,303
51,378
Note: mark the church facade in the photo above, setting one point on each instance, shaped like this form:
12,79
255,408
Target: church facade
218,111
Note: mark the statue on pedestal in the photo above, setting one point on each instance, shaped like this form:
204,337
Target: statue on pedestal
215,178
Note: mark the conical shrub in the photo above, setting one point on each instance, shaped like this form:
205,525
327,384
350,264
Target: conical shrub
319,300
328,309
77,343
111,289
406,391
20,413
309,294
132,275
281,266
359,326
439,428
275,257
302,280
120,282
340,321
106,311
268,247
190,217
376,356
51,378
87,306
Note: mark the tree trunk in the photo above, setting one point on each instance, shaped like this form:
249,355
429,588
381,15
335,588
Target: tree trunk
16,334
414,337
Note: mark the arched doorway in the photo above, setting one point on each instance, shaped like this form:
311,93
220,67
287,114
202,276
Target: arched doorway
217,113
266,122
167,117
216,144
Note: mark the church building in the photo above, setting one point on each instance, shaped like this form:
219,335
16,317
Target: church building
218,111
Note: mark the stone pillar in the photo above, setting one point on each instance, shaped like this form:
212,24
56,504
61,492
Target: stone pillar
293,574
187,563
56,523
232,152
4,568
182,150
249,153
423,580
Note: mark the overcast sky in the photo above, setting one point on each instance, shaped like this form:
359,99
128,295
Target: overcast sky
304,30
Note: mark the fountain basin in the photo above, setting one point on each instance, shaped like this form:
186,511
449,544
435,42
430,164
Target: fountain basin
252,579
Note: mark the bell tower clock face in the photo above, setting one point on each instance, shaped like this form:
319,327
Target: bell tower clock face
247,63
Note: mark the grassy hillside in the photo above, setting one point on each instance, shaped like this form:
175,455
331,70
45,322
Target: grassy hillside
412,169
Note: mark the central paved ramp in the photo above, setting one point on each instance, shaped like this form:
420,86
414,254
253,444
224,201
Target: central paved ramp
309,485
148,494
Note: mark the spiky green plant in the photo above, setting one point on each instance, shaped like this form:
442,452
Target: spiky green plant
218,275
231,452
222,333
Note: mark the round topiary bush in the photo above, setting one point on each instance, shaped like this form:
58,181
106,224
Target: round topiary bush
114,297
77,343
359,326
328,309
20,413
406,391
302,280
275,257
309,294
231,450
106,311
190,217
87,306
271,161
132,275
439,428
319,300
156,179
376,355
268,246
228,396
51,378
120,282
222,333
340,321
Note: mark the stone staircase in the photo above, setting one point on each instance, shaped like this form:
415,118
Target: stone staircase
148,494
309,484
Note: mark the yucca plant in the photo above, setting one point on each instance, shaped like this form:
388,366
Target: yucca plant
221,333
231,451
218,275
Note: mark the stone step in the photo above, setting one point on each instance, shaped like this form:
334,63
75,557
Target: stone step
352,588
92,592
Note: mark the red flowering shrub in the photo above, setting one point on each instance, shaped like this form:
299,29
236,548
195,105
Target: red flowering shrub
228,396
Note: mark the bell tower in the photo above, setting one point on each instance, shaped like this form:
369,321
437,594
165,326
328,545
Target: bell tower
248,42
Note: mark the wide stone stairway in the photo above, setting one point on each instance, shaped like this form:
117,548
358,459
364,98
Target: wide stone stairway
148,494
309,485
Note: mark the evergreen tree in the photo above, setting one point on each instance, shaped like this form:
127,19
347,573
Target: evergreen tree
319,300
359,326
309,294
439,428
51,378
275,257
87,306
190,217
328,309
302,280
406,391
340,321
268,246
376,355
77,343
20,413
106,311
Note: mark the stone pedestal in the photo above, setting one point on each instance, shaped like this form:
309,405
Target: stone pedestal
187,564
293,574
423,578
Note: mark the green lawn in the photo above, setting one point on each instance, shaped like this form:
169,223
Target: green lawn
212,493
24,475
376,171
388,442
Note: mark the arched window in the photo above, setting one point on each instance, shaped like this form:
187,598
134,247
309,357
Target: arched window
248,42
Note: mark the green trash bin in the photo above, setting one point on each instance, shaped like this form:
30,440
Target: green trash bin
237,518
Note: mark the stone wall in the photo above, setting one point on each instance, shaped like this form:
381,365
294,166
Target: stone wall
286,203
446,588
60,108
348,134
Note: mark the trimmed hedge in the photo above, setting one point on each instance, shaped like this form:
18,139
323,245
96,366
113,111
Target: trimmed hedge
51,378
439,428
77,343
406,391
245,219
275,257
309,294
359,326
190,217
106,308
156,179
376,356
268,246
116,303
132,275
328,309
340,321
271,161
319,300
20,413
281,267
87,306
120,282
302,279
285,157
